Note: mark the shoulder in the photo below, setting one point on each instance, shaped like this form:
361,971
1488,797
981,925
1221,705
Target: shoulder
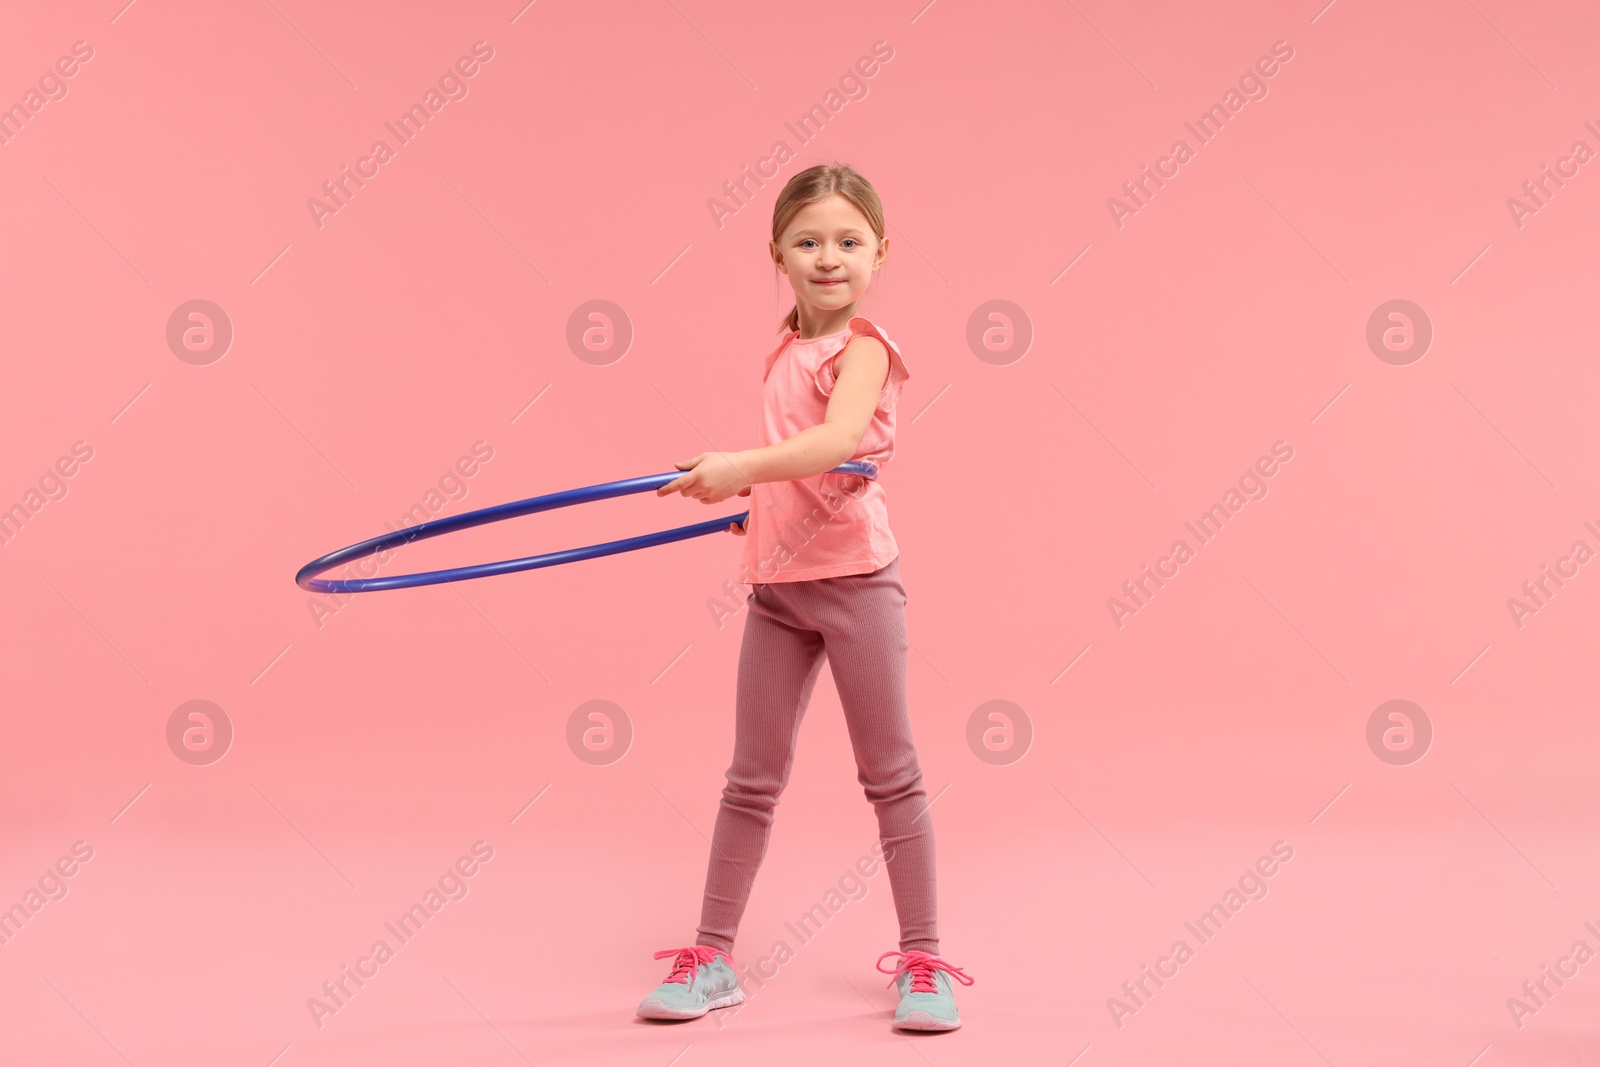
863,348
866,333
864,344
772,356
867,338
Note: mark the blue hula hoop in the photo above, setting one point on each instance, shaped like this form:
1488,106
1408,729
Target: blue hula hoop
306,578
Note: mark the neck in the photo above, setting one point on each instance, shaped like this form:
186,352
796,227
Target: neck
814,322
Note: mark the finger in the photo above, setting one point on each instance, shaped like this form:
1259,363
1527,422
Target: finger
745,491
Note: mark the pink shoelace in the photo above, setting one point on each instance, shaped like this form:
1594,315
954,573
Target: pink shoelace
921,965
687,961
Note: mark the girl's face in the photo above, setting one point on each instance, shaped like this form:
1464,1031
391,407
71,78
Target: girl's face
829,253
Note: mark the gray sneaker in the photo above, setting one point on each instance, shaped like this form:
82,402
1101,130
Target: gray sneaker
927,996
701,978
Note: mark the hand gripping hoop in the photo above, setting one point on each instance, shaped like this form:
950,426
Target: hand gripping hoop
307,578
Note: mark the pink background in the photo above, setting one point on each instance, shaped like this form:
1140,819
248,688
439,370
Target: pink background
374,749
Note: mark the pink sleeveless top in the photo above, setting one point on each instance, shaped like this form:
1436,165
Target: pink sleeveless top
829,524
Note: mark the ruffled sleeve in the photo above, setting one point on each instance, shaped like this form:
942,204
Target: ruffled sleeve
889,396
772,357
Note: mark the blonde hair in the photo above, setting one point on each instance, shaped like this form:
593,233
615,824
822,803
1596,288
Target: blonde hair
817,183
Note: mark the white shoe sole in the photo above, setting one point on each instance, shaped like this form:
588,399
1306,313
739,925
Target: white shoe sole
654,1009
921,1020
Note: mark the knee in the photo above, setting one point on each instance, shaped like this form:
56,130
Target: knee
752,792
898,784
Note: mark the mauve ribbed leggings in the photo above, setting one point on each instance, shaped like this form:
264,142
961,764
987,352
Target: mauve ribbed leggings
857,622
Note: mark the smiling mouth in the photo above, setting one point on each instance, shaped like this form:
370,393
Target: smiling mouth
828,281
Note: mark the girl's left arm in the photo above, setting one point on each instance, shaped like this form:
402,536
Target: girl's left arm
863,369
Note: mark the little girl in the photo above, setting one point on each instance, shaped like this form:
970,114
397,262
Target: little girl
824,573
